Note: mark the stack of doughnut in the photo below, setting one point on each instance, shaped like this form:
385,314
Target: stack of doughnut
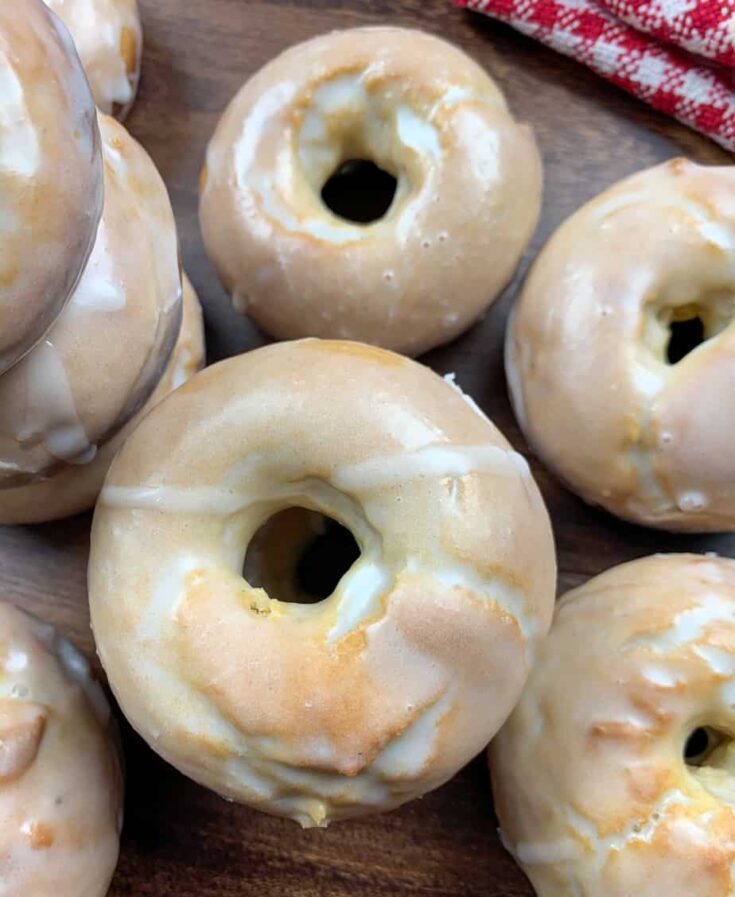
113,339
51,179
613,767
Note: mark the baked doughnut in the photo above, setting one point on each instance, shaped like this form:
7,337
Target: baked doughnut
74,487
467,192
50,174
60,778
594,353
109,38
614,775
102,359
385,689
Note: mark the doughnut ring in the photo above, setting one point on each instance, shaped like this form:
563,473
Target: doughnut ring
74,487
50,174
102,359
624,331
614,775
467,196
109,38
385,689
60,777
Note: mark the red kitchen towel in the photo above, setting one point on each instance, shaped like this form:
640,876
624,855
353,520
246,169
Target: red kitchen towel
704,27
645,47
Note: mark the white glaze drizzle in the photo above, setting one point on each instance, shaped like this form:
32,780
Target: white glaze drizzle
358,596
437,461
568,849
541,853
19,148
432,462
417,133
75,666
453,574
176,499
97,31
688,625
50,407
99,288
408,753
259,185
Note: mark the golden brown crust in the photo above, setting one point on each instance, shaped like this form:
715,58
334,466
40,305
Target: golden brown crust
60,778
50,174
382,691
74,488
649,440
592,789
467,200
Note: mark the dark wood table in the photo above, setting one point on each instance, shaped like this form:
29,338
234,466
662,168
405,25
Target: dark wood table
179,839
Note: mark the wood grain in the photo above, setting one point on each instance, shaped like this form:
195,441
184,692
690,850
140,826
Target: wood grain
180,840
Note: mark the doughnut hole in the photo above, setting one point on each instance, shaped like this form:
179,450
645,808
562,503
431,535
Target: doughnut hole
359,191
362,153
675,331
299,556
701,744
685,336
709,754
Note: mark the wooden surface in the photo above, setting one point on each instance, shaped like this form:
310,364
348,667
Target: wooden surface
180,840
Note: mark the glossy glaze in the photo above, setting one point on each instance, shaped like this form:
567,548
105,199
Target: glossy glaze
74,487
60,778
385,689
102,359
109,39
587,361
591,785
50,174
467,199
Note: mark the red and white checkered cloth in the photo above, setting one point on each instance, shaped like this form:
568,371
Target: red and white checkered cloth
645,47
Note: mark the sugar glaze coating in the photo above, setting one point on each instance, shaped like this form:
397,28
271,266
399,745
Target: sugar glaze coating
467,197
51,184
109,38
385,689
103,357
74,488
588,361
60,777
593,791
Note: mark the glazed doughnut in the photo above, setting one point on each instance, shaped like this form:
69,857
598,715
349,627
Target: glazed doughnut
74,488
102,359
109,38
594,355
468,191
60,778
385,689
50,174
614,775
